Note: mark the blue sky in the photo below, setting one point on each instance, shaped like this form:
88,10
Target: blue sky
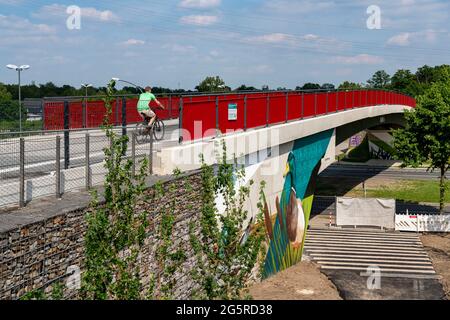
174,43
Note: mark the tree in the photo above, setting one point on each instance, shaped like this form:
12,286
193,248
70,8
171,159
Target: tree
349,86
424,74
309,86
228,247
245,88
379,80
212,84
328,86
4,93
426,137
402,79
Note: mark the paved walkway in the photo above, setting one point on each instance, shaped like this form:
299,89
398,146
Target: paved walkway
357,250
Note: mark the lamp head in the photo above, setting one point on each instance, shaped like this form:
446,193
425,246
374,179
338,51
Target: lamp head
12,67
24,67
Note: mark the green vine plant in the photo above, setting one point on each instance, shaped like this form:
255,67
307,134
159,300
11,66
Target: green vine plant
57,293
116,229
228,252
169,260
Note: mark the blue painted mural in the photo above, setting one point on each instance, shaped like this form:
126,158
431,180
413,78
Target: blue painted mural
288,233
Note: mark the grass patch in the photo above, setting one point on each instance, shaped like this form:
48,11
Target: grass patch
411,191
404,190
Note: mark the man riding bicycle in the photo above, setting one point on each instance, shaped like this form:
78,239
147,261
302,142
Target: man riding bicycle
143,107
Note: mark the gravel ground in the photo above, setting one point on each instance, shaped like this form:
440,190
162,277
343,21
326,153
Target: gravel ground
438,248
303,281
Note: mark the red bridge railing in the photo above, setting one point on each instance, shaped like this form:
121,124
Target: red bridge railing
204,116
88,113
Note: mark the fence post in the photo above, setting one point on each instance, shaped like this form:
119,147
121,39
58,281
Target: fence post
267,109
170,106
217,114
116,113
87,161
287,107
345,100
151,152
337,101
58,168
84,112
180,121
245,113
43,114
22,174
133,153
124,116
315,104
66,135
353,99
303,105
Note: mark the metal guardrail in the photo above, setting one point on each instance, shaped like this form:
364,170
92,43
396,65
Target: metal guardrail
48,165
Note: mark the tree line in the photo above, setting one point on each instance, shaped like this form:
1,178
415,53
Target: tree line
405,81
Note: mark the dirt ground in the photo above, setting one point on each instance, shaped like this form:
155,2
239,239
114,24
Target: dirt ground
303,281
438,248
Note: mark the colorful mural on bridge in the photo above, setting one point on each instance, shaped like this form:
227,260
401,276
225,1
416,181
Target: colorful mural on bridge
293,206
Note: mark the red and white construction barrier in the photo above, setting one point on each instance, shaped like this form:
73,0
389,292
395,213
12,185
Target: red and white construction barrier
422,223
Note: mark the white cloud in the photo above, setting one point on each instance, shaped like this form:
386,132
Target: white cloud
406,38
178,48
133,42
13,23
11,2
59,10
95,14
19,31
298,6
358,59
308,41
200,4
199,20
274,38
402,39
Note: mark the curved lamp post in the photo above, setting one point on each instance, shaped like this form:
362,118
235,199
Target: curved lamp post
128,82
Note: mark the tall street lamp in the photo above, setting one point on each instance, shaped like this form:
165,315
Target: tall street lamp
85,86
19,70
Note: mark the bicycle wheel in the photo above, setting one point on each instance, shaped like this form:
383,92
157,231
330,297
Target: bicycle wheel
158,130
141,137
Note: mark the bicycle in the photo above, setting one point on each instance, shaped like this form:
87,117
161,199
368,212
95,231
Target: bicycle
143,134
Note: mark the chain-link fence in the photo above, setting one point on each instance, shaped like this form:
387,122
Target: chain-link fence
55,163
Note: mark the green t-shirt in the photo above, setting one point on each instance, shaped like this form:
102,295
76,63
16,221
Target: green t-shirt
144,101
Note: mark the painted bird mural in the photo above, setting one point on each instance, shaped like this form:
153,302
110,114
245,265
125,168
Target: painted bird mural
287,235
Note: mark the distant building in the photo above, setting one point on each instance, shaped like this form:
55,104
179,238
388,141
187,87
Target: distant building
34,109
